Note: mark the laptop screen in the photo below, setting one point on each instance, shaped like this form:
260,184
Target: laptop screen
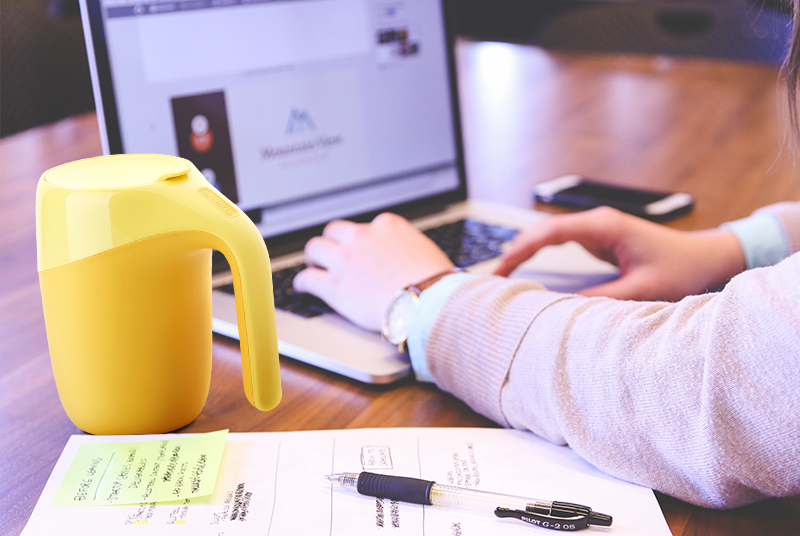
308,110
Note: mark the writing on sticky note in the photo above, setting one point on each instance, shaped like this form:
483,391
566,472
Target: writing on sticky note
171,469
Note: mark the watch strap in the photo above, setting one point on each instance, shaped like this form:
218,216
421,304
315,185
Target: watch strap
419,287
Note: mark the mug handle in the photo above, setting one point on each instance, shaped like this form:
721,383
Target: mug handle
243,247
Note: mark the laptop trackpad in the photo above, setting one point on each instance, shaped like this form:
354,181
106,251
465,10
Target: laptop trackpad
566,268
565,282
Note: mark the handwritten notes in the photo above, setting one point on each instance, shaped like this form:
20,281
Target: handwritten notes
273,484
170,469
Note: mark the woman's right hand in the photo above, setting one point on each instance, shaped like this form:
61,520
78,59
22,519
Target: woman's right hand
655,262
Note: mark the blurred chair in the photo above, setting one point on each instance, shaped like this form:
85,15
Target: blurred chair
752,30
44,72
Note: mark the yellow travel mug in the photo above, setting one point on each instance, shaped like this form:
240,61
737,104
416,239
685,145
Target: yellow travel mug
124,251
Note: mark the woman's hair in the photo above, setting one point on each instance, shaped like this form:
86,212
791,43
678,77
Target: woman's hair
792,72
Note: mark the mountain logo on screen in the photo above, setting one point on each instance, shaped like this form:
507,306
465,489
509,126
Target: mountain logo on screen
305,142
300,122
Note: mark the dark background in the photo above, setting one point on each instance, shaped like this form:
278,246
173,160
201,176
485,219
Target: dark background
44,72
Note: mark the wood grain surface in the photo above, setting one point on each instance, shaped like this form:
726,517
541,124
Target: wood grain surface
714,129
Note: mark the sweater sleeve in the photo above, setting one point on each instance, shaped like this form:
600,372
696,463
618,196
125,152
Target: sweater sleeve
698,399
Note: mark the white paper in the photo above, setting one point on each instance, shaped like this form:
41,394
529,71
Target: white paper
274,484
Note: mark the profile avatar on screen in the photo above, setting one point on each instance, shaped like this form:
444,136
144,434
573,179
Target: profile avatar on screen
203,136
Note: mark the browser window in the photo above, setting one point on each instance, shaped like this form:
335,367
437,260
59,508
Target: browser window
307,109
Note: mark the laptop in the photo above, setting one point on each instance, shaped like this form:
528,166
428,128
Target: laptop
301,112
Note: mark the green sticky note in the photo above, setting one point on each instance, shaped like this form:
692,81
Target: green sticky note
174,468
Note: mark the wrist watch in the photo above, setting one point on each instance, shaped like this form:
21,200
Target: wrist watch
401,307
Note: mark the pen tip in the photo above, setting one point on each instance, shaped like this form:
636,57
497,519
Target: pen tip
330,477
596,518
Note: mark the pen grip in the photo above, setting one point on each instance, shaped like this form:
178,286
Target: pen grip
401,488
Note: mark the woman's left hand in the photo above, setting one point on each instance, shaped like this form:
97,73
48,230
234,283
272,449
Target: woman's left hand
357,267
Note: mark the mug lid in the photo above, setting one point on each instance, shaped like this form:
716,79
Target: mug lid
117,171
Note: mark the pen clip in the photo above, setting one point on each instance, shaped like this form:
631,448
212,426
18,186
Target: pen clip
569,524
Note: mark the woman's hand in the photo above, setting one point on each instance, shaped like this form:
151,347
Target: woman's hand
655,262
357,267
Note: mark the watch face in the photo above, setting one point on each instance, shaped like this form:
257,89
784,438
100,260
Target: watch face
396,329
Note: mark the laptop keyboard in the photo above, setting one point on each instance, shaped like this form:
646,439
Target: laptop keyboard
469,242
466,242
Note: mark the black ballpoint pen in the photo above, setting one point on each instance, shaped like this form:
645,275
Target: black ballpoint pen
547,514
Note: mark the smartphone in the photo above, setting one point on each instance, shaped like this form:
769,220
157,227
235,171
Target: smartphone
581,192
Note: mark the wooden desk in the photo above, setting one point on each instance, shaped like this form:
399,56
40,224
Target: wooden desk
710,128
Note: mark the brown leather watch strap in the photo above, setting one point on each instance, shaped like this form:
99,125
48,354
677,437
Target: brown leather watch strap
419,287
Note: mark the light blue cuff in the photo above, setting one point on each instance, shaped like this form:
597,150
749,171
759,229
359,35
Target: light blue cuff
430,303
762,239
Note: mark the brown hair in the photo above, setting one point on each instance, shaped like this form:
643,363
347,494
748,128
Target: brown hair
792,73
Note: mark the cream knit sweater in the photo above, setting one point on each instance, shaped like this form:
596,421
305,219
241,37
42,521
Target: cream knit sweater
699,399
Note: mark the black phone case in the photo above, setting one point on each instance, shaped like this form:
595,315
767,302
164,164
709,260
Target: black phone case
565,198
